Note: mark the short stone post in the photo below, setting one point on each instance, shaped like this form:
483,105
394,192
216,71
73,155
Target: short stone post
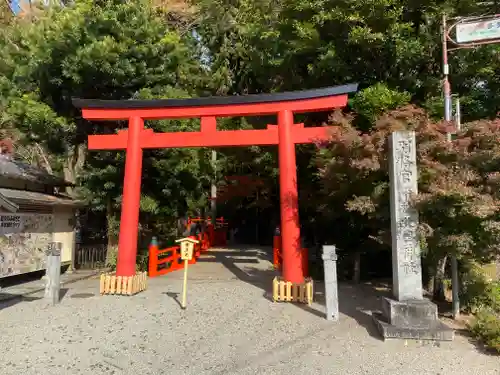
53,273
331,288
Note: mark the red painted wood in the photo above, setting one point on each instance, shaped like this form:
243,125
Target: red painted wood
129,221
208,124
149,139
254,109
285,134
290,230
278,260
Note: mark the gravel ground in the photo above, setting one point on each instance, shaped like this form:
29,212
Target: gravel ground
229,327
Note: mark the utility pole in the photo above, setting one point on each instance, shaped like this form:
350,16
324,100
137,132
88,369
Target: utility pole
213,193
446,81
447,118
470,32
455,285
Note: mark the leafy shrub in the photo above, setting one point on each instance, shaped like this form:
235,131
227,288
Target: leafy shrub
112,257
486,327
483,299
477,293
373,101
142,261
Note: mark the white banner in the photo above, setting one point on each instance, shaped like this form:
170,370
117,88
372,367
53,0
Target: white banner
478,31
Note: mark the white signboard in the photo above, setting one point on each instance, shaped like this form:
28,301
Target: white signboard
478,31
187,250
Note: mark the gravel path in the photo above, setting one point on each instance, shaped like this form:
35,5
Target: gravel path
230,327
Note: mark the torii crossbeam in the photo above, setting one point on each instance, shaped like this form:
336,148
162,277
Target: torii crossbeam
286,134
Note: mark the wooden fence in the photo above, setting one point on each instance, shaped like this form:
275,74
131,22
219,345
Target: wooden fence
90,256
163,261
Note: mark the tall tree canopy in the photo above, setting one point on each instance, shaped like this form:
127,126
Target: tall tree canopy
111,49
267,45
106,50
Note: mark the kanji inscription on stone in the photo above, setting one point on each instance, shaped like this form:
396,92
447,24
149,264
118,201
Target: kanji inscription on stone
407,270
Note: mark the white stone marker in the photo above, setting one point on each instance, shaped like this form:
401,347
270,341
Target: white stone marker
53,273
331,288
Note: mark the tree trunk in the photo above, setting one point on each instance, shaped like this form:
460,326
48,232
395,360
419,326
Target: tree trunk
73,165
439,289
43,156
431,282
356,277
110,221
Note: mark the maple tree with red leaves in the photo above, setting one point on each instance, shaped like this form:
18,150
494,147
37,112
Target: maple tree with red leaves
459,183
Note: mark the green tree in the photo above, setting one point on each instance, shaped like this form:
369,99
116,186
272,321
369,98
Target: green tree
107,50
458,200
264,45
5,13
372,102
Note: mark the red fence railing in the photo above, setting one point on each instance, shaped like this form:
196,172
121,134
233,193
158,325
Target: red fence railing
163,261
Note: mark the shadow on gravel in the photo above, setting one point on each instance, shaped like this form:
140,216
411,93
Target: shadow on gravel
355,301
175,297
62,293
8,300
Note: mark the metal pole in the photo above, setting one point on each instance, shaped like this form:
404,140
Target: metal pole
447,117
446,82
458,121
453,259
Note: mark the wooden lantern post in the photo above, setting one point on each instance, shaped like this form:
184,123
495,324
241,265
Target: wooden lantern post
187,250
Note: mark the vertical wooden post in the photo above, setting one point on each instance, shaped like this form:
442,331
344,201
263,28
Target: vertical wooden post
187,252
184,284
290,230
127,245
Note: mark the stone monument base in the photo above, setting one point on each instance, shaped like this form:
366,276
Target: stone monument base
411,320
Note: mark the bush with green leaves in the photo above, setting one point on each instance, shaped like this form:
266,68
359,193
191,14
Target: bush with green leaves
478,293
112,257
486,327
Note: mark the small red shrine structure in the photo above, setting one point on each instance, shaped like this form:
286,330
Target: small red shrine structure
285,134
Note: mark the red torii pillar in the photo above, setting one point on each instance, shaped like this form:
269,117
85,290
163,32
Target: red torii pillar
286,134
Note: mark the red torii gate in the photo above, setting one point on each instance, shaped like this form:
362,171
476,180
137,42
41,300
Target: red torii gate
286,134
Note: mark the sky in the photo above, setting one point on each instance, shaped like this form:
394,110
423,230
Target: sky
16,7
